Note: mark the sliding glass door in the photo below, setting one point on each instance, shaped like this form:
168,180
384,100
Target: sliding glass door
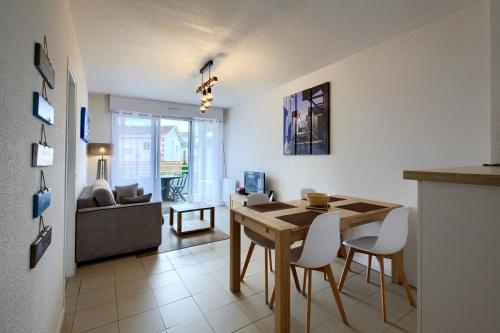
176,160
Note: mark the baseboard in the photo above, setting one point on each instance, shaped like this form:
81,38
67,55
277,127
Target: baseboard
61,320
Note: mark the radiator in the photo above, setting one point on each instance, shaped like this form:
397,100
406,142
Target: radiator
228,187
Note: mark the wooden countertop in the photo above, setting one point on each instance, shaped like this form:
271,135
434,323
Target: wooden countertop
477,175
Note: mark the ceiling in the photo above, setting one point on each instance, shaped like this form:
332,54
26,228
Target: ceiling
155,48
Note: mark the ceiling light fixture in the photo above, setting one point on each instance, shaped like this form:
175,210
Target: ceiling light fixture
205,90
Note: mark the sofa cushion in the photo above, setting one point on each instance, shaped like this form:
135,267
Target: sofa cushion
128,191
137,199
102,193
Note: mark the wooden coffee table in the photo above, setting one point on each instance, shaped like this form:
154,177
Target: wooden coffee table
192,225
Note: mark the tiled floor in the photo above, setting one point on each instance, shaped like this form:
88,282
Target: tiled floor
187,291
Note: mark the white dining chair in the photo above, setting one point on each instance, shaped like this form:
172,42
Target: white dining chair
388,244
319,250
306,190
267,244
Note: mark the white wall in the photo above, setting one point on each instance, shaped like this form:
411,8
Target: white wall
32,300
419,100
100,130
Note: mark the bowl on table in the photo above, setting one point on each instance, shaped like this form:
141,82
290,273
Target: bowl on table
317,199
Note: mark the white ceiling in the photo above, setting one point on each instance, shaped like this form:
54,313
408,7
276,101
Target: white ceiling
154,48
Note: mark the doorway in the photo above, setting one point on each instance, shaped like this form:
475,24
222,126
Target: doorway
70,175
174,160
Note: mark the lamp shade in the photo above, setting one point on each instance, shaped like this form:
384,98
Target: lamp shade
99,149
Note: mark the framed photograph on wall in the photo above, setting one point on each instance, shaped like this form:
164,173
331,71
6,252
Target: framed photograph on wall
306,121
84,124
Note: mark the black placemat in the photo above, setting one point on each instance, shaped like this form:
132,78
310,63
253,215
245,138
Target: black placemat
361,207
333,199
300,219
272,206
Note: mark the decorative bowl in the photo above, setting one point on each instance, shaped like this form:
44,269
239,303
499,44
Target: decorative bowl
317,199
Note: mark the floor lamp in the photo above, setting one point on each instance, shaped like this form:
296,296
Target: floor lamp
101,149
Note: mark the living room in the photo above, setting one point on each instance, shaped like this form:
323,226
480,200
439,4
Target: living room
249,166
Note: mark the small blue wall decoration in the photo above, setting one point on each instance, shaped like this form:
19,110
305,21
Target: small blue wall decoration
84,124
42,108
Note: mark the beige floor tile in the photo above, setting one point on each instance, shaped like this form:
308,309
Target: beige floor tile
197,325
399,289
408,324
255,307
183,261
318,314
251,286
97,269
229,318
97,282
223,251
221,276
191,271
252,328
146,322
67,323
158,267
129,274
209,254
357,288
364,318
180,311
397,306
222,243
148,260
200,283
266,325
335,325
108,328
337,270
170,293
178,253
131,288
72,288
163,279
212,299
375,278
135,304
96,297
94,317
70,304
256,266
126,263
357,267
215,264
326,300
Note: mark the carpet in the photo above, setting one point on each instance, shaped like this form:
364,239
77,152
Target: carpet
170,241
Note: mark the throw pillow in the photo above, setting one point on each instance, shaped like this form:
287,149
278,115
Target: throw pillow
138,199
102,193
126,191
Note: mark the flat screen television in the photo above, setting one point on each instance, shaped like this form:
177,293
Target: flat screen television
255,182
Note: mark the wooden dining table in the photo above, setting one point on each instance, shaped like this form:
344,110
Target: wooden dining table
286,223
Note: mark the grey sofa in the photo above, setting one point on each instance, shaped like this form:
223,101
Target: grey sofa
108,231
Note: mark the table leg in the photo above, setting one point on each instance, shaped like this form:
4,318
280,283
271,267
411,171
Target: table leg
394,269
201,214
212,218
179,223
234,254
282,283
171,216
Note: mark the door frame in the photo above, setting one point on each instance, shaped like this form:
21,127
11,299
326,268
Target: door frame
70,174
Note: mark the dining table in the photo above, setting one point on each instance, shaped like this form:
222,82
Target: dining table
288,222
